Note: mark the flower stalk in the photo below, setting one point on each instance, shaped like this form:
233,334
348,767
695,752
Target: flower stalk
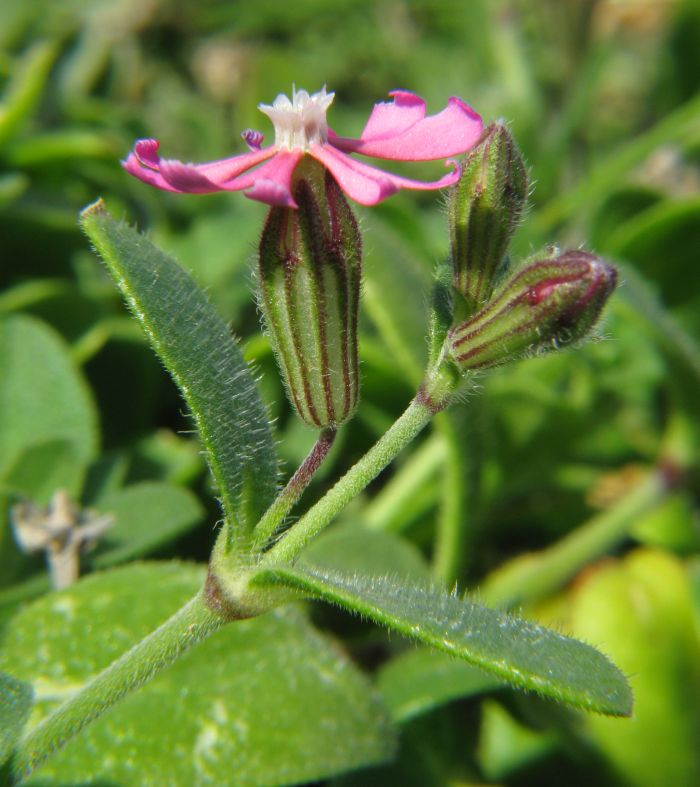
275,515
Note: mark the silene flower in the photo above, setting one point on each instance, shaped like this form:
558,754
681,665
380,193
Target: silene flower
397,131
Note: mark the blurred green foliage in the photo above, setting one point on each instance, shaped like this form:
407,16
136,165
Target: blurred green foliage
603,97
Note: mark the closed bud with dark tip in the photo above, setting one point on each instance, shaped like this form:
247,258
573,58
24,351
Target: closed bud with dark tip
548,304
484,208
309,279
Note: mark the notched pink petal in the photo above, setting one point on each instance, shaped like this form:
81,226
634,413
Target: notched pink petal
146,151
136,168
272,182
271,193
225,170
368,185
388,119
360,182
187,178
172,175
449,133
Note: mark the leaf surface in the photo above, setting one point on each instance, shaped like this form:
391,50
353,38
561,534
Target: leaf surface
518,651
15,705
267,701
196,347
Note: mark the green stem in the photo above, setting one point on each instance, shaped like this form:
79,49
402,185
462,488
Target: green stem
191,624
285,501
403,431
531,577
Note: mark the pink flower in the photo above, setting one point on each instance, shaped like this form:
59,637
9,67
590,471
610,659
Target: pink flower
398,131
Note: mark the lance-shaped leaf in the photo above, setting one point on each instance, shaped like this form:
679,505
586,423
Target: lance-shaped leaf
196,347
526,655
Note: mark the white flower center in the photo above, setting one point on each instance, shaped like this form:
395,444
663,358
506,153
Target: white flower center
301,122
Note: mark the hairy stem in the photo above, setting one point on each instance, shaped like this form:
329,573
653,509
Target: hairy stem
190,625
396,503
287,498
402,432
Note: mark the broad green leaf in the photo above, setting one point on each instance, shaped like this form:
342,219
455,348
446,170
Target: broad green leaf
419,680
268,701
43,468
46,415
146,516
15,705
168,457
196,347
43,397
522,653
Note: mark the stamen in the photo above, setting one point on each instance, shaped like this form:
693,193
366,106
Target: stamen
253,139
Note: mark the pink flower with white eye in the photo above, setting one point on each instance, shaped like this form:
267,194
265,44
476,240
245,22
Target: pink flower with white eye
397,131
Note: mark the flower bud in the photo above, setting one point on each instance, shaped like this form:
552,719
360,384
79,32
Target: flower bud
309,275
483,210
544,306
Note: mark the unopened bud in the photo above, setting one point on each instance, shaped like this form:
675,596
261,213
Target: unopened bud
309,273
545,306
483,210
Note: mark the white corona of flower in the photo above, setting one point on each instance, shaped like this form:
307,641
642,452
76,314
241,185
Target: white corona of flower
301,122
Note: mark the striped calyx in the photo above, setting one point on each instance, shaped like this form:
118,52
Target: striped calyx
547,305
309,278
484,208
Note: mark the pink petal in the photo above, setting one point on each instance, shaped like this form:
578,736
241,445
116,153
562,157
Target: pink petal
368,185
271,183
186,178
133,166
172,175
146,151
398,133
388,119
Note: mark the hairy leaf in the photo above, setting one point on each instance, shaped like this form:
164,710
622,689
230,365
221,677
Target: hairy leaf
147,516
526,655
197,349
